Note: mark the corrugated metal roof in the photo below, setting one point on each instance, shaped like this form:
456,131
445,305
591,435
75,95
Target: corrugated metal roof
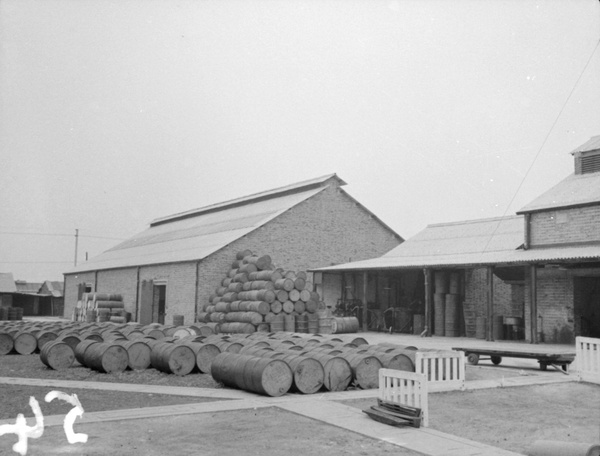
195,237
592,144
53,288
471,236
7,283
514,257
27,287
569,253
575,190
468,242
319,181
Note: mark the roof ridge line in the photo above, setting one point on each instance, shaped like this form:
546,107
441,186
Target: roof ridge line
243,200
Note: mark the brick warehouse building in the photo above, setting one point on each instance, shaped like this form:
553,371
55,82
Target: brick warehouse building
172,267
534,276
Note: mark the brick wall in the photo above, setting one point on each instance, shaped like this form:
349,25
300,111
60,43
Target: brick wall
326,229
555,302
555,305
565,226
331,289
120,281
180,281
508,298
71,288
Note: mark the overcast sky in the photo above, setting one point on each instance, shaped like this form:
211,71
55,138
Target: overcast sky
114,113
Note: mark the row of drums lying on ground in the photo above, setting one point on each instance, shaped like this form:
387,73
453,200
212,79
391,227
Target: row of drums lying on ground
254,363
264,363
26,337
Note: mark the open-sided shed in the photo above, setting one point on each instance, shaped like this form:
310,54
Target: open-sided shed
532,276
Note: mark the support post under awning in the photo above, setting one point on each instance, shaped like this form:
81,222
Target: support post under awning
490,304
533,304
428,301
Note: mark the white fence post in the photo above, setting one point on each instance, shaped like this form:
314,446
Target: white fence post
405,388
588,359
444,370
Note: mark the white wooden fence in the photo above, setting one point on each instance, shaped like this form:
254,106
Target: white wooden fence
587,351
406,388
443,369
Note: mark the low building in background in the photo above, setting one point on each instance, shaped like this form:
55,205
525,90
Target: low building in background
32,298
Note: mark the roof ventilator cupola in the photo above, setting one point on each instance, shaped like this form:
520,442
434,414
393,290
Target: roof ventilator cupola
587,157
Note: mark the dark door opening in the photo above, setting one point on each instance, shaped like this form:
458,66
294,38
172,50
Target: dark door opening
159,305
587,306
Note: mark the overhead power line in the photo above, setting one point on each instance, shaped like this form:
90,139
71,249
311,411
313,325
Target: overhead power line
545,140
102,237
553,125
35,262
26,233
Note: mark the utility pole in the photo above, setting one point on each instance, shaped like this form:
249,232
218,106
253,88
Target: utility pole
76,242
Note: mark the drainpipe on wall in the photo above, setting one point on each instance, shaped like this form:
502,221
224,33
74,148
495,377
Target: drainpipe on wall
137,294
196,290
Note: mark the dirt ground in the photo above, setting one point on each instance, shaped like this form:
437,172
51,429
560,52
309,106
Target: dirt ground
513,418
264,432
15,400
509,418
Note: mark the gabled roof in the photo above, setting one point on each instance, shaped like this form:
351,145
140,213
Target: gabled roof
28,287
256,197
7,283
53,288
470,242
576,190
592,144
196,234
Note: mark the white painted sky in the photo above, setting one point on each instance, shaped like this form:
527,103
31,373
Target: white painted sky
114,113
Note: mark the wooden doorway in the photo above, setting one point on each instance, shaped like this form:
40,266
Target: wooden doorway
159,304
153,302
587,306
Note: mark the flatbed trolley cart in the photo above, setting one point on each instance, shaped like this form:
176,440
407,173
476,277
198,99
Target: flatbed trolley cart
558,360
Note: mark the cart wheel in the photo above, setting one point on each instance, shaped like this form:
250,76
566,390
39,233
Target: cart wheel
496,359
543,366
473,358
